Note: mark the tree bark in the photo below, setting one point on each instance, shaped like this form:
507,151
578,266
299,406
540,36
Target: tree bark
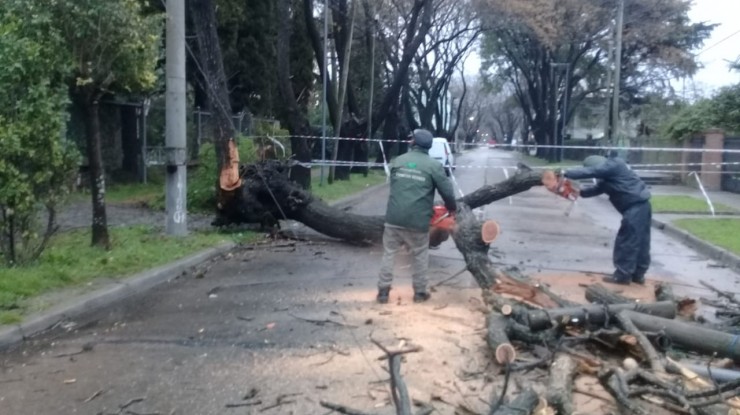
652,355
664,292
203,14
130,144
596,314
497,340
598,294
524,403
296,121
421,14
560,385
97,174
690,336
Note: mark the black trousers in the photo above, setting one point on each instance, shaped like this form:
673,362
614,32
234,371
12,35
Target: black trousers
632,246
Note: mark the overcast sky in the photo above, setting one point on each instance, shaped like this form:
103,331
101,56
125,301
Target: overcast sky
722,46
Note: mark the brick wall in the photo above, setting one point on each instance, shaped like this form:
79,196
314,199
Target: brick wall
713,140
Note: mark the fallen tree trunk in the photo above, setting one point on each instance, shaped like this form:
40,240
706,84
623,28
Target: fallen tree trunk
467,237
595,314
690,336
268,195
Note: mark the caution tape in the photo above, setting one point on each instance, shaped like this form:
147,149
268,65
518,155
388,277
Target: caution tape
525,146
343,163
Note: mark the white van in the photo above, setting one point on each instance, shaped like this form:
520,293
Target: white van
442,152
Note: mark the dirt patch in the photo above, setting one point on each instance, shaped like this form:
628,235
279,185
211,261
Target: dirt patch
572,286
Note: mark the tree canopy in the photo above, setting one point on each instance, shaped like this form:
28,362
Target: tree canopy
720,111
530,42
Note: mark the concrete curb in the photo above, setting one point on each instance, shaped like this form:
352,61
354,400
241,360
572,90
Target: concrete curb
128,287
714,252
106,296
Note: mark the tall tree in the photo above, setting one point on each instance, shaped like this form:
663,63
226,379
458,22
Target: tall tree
526,37
247,35
36,164
114,48
456,29
295,117
211,65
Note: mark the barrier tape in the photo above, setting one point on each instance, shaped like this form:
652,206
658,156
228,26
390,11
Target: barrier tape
341,163
525,146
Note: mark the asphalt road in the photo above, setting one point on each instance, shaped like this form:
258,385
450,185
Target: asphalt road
289,324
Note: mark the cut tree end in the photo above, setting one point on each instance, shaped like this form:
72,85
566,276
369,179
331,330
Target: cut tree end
489,231
550,180
505,353
229,179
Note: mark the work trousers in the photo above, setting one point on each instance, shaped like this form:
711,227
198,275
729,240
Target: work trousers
632,246
417,242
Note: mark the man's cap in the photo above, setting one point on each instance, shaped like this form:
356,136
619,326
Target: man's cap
422,138
593,161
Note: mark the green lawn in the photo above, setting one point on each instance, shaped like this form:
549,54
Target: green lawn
70,260
721,232
343,188
685,204
533,161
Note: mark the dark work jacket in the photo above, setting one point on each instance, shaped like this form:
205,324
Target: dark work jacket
614,177
414,177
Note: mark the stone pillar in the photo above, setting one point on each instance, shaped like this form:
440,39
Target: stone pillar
714,139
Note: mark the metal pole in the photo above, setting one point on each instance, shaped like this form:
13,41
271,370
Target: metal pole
323,103
554,109
617,68
175,134
372,76
199,135
565,110
144,161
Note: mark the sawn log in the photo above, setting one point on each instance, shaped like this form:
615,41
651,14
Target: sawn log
497,340
596,314
690,336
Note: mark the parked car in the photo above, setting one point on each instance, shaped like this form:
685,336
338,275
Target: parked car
442,152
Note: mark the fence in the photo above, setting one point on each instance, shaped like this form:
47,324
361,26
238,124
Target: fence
731,172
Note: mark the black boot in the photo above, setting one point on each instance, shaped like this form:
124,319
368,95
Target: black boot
383,294
421,296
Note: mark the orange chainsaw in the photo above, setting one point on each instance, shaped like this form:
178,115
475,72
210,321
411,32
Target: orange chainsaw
442,225
562,187
442,219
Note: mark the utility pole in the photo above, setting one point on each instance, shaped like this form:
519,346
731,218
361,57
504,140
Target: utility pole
614,132
372,74
323,94
565,111
559,139
175,120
